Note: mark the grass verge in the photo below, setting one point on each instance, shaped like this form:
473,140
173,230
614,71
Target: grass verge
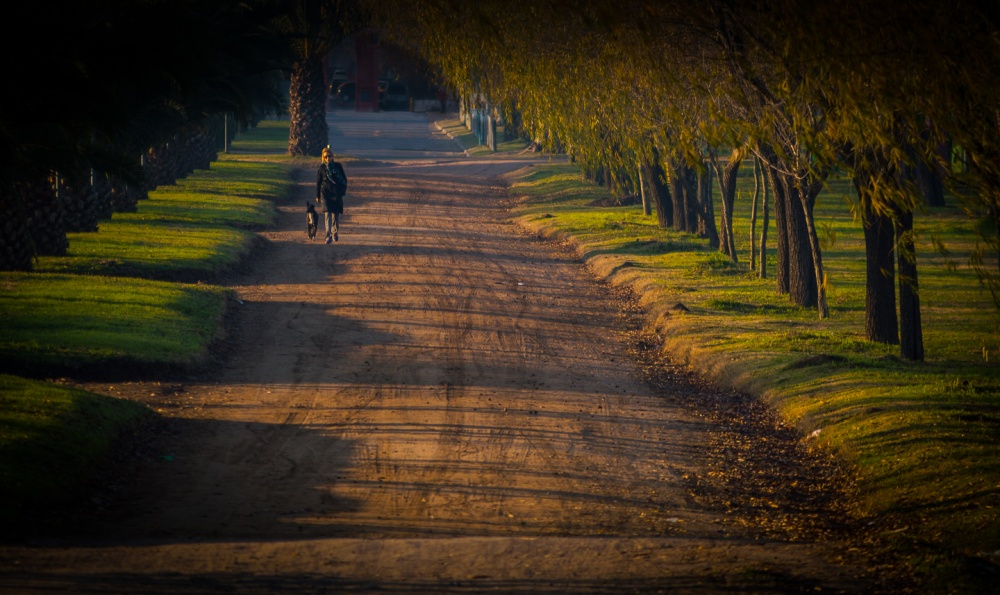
91,325
922,436
114,306
193,230
125,300
51,438
457,130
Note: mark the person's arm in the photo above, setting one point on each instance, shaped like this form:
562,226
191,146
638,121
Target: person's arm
319,183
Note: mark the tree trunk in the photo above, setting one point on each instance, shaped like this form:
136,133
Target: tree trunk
763,226
659,193
724,232
930,185
727,186
911,340
881,324
802,283
647,209
692,202
706,210
308,132
930,177
677,192
781,274
753,215
807,198
880,279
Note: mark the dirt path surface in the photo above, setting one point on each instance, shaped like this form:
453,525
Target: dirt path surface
437,403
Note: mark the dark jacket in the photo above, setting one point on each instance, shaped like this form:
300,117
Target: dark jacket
331,185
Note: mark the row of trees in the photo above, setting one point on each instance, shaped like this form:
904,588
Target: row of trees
119,97
670,97
673,96
38,214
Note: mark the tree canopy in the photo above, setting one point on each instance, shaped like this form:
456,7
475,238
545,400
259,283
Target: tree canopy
104,80
876,90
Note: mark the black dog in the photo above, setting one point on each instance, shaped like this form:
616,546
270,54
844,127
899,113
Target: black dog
312,220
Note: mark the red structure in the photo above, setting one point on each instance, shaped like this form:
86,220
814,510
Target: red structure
366,78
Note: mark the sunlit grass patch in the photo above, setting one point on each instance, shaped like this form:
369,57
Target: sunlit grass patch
470,141
155,249
190,231
83,323
267,137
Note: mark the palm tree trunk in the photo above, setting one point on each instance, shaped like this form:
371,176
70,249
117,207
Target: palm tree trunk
308,131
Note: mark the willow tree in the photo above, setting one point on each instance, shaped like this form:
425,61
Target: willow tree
962,109
891,120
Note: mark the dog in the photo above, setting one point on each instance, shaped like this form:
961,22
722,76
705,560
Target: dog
312,220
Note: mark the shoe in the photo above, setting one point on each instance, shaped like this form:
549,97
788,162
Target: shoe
334,237
328,240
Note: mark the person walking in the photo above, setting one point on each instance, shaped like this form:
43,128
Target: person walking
331,185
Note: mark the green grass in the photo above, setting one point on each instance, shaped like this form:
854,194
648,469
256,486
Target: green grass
922,435
190,231
269,137
467,139
113,307
51,437
107,304
88,324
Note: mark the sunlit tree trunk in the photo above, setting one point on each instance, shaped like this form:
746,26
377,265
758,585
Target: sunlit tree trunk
308,131
644,193
765,203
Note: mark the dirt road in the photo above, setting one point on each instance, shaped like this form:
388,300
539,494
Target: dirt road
436,403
